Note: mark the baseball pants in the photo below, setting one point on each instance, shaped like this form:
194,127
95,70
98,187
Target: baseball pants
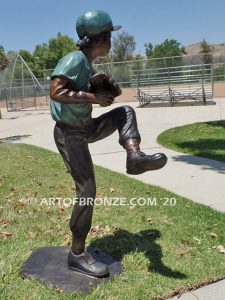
72,143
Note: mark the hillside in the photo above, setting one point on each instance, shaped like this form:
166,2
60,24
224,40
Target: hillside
195,48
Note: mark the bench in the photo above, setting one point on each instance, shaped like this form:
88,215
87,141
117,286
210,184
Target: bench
174,94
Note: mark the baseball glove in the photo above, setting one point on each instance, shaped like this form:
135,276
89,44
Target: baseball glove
104,82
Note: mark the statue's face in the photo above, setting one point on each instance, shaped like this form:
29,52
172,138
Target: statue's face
105,47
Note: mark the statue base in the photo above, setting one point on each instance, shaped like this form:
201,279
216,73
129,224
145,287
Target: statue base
48,265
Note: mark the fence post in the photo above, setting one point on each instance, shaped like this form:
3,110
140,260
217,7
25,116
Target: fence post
212,79
169,88
6,101
203,80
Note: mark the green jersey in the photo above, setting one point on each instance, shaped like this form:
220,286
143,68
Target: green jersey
77,69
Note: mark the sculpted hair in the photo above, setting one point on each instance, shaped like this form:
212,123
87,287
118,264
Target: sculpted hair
89,42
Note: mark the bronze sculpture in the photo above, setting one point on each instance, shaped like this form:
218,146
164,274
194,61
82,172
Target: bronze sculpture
71,107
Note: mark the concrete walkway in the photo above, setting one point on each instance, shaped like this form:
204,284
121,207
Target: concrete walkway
199,179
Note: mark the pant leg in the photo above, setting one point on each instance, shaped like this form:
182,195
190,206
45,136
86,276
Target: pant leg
122,118
73,146
59,137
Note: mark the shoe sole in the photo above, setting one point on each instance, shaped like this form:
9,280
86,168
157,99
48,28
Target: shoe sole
87,273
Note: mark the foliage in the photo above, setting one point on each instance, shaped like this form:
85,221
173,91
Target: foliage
46,55
123,46
206,49
169,48
137,63
30,60
219,73
148,49
121,72
3,59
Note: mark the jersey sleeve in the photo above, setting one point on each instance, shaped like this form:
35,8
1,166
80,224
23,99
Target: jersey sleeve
69,67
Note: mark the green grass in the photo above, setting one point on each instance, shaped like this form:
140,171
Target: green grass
174,250
200,139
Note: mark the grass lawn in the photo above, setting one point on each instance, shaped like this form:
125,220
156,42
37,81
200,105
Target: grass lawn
163,248
201,139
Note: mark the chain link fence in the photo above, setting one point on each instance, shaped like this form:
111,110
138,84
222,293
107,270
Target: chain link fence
20,89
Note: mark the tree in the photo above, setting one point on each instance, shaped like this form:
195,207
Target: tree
206,50
169,48
32,62
46,55
27,56
3,59
137,63
148,49
123,46
61,45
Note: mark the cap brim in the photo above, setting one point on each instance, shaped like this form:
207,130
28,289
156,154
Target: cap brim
117,27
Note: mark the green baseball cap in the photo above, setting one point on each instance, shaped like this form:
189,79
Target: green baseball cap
93,23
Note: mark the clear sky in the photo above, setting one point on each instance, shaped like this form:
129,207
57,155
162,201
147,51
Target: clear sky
26,23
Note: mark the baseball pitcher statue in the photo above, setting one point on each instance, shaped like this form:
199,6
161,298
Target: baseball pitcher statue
74,88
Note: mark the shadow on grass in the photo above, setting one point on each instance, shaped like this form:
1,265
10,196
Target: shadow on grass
123,242
14,138
204,148
216,123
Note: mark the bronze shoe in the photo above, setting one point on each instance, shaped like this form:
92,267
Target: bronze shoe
138,162
86,264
